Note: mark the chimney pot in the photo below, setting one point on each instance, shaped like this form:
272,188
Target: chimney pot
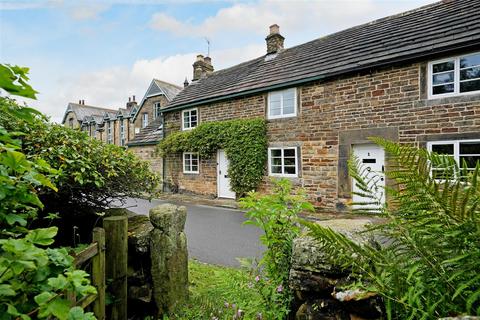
83,102
185,83
133,97
79,101
200,57
208,60
129,99
274,29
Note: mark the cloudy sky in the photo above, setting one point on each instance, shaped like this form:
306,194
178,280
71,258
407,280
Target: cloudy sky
105,51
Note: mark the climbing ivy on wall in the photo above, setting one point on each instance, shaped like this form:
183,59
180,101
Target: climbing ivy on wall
244,141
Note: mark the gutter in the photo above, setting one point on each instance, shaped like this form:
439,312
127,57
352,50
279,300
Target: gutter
394,61
140,143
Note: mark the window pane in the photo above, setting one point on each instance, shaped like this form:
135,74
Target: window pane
470,61
441,174
447,88
471,161
288,94
289,161
289,152
276,152
288,106
276,169
444,66
443,148
470,148
290,170
194,168
443,78
468,86
276,161
470,73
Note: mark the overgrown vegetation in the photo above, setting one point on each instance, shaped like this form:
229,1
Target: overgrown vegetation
244,141
429,267
276,214
33,278
225,293
90,175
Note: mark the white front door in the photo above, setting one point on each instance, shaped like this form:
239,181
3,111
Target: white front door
223,181
372,162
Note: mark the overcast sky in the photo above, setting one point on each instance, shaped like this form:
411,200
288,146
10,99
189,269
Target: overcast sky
105,51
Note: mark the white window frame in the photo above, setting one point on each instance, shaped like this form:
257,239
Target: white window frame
109,132
122,132
456,147
190,117
283,174
144,119
289,115
156,109
456,80
183,162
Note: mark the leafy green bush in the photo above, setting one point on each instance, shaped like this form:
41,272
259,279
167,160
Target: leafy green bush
276,215
90,174
244,141
429,267
33,280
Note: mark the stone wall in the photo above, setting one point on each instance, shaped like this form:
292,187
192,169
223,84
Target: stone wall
148,107
335,114
319,286
147,153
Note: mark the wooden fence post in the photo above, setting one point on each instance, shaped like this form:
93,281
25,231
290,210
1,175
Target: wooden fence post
116,267
98,273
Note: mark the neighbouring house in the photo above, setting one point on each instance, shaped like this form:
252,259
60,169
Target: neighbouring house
108,125
148,121
121,126
413,77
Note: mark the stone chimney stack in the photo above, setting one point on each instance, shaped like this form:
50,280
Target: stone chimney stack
131,102
274,40
202,67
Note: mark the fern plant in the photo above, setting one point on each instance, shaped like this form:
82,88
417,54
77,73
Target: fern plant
429,263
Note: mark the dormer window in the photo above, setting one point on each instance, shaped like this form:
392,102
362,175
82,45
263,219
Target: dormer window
282,104
454,76
189,119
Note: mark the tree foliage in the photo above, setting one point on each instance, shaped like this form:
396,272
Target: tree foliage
90,174
428,266
244,141
33,278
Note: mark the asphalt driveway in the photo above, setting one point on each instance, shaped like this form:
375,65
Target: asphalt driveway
215,235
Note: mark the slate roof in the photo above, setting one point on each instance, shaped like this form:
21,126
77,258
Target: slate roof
83,111
169,89
441,27
149,135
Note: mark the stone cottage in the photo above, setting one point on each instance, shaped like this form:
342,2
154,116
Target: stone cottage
413,77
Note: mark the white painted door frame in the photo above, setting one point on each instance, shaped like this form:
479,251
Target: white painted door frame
372,158
223,181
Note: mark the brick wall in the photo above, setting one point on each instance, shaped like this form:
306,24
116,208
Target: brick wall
390,102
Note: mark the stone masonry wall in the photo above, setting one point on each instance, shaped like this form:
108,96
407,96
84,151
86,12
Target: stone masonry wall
147,153
335,114
148,107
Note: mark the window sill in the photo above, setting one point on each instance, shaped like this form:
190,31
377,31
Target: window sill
472,97
281,117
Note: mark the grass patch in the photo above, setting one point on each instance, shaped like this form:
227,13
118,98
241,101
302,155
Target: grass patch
218,292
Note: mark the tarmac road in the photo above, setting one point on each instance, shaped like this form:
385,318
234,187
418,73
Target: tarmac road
215,235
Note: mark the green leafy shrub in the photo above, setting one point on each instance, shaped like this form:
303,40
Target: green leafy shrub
244,141
276,214
90,174
33,279
429,267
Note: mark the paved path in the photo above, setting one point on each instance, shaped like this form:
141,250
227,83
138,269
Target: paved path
215,235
